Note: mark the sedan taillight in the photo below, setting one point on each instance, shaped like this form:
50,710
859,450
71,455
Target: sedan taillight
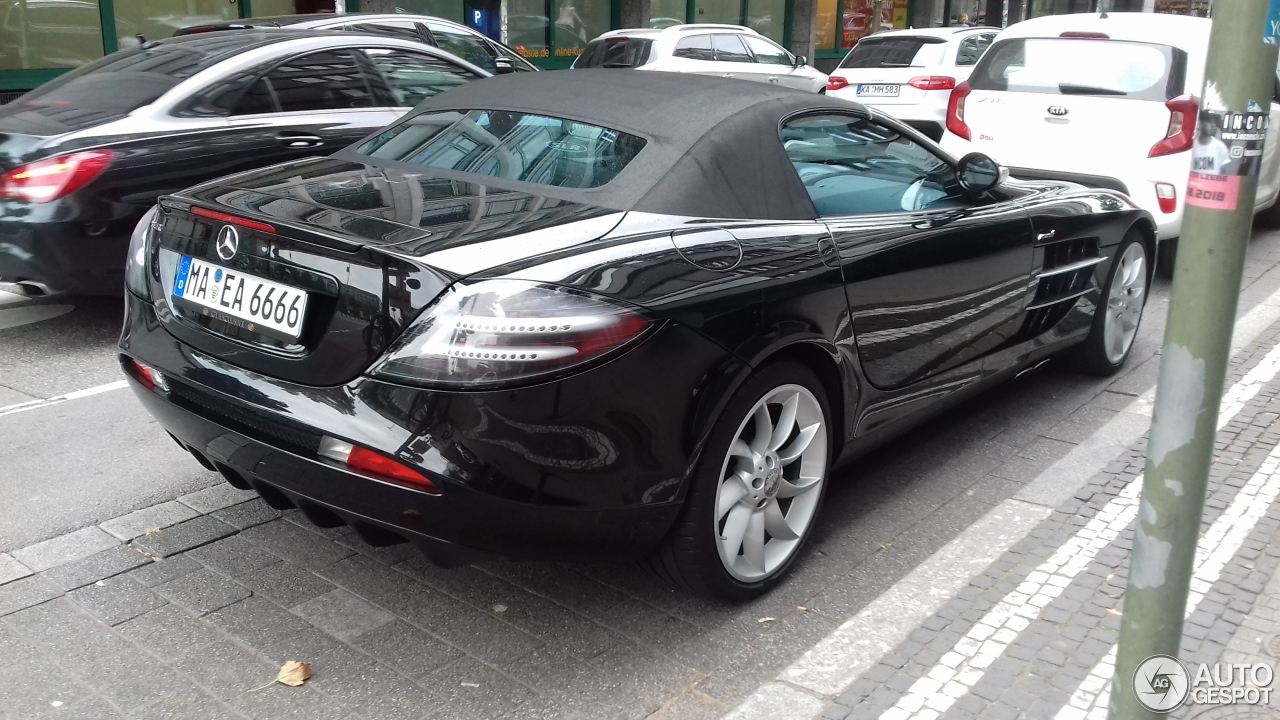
955,111
500,332
932,82
835,82
48,180
1182,126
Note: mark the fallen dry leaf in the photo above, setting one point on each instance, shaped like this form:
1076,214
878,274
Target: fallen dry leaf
153,531
885,546
499,608
765,620
801,608
467,684
294,673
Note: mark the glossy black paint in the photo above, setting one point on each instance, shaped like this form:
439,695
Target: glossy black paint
78,243
901,315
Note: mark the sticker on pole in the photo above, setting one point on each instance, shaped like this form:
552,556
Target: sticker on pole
1228,146
1272,32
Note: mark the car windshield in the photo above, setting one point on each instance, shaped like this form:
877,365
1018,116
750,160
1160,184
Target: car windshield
615,52
1082,66
900,51
107,89
511,145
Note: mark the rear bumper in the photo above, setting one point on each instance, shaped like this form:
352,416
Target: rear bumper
63,257
547,472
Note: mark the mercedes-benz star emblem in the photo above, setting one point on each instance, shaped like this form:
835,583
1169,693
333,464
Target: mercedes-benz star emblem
228,242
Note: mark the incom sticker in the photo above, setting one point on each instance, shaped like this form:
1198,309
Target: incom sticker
1228,146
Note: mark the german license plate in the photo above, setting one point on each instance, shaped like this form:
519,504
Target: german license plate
879,90
240,299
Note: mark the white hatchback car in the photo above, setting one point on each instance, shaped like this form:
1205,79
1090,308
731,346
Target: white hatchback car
722,50
909,74
1104,100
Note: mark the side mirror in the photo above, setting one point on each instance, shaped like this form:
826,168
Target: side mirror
801,61
978,173
503,66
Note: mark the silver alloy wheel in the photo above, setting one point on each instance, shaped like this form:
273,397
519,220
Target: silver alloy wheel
771,482
1124,302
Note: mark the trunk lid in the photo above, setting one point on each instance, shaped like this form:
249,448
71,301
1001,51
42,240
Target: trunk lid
892,60
1090,105
370,247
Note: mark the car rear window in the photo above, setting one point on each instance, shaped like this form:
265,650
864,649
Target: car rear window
1082,66
511,145
899,51
616,52
109,88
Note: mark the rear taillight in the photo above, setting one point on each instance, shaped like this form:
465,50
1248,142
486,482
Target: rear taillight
835,82
933,82
955,111
1167,195
502,332
1086,35
375,464
1182,126
196,29
48,180
232,219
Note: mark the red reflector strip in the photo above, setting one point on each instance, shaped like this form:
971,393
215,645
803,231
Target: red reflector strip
1087,35
383,466
234,220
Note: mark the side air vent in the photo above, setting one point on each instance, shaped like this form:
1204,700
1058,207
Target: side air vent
1066,275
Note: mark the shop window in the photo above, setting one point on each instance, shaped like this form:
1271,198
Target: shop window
665,13
578,22
446,9
138,20
527,27
718,11
40,34
268,8
825,25
768,17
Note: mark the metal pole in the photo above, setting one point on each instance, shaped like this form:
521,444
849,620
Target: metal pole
1239,79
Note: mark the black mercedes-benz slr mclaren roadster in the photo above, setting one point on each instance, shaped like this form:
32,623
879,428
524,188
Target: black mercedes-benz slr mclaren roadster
597,315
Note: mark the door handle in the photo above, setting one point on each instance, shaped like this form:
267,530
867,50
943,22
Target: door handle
299,140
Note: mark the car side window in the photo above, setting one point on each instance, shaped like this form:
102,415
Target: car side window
412,77
402,29
766,52
972,48
327,80
468,47
697,47
729,48
256,99
856,166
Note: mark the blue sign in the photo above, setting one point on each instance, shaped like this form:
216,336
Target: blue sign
1272,33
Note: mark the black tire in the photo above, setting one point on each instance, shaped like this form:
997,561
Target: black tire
1270,218
688,557
1091,355
1166,255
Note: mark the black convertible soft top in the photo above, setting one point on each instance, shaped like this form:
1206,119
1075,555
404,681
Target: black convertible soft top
713,146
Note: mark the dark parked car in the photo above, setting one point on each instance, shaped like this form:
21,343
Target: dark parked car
84,156
592,315
460,40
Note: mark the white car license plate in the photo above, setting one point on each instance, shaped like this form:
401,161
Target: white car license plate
243,300
879,90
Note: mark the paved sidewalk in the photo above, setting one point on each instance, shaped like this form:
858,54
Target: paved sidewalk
1033,634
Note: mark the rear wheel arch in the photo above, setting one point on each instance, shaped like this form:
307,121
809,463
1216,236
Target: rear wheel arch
824,363
1149,241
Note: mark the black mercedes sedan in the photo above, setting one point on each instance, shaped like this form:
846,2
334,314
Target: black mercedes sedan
598,315
84,156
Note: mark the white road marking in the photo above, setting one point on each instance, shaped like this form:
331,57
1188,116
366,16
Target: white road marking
19,316
856,646
958,671
76,395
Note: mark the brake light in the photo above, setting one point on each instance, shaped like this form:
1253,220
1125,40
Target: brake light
502,332
48,180
1182,126
955,110
1087,35
835,82
197,29
233,219
933,82
372,463
150,378
1167,195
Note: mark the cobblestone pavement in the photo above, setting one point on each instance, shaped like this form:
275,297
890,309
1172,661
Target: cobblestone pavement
1033,636
183,608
